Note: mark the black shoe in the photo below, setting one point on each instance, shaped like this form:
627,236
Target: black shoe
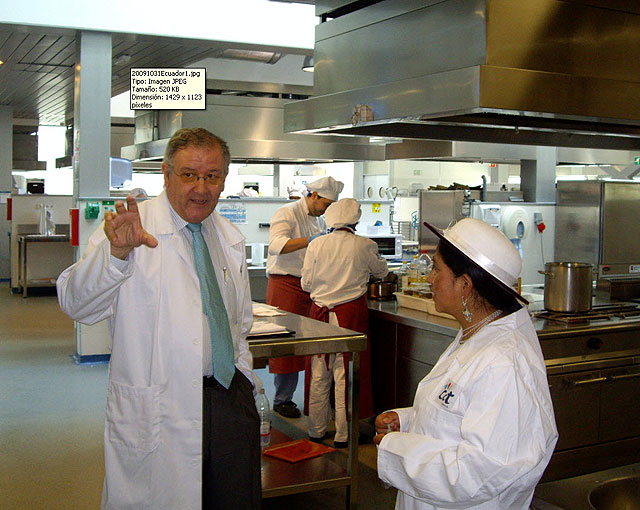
287,409
318,439
340,444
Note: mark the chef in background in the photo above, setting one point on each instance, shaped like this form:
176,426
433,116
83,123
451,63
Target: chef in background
296,191
293,226
481,429
336,274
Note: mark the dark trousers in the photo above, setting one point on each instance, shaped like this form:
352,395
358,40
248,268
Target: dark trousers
231,446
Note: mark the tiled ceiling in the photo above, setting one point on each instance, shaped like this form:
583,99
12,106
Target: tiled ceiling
37,76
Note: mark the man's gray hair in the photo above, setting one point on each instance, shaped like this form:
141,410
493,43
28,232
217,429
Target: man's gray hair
194,137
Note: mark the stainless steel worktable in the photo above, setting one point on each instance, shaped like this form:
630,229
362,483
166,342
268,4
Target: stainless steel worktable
314,337
23,243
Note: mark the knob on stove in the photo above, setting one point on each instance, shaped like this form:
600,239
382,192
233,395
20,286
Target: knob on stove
594,343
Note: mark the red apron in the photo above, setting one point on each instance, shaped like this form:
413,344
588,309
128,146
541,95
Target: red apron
285,292
353,315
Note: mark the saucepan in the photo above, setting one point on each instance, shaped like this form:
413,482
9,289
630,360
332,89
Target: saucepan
567,287
383,288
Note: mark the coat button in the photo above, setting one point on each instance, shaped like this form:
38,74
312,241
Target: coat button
196,341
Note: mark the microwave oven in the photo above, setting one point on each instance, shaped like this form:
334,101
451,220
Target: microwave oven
389,245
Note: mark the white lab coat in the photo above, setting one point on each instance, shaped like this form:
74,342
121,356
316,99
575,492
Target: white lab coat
291,221
481,430
337,266
153,427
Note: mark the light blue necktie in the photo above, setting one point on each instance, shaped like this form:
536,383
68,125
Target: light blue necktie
213,308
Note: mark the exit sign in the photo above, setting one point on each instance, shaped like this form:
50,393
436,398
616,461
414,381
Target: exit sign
637,161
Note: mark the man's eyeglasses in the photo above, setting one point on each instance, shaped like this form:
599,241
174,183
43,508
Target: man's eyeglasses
209,179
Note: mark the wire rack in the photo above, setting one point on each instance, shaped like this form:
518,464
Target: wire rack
405,228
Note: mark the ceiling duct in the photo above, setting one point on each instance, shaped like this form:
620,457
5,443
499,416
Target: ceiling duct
251,122
533,72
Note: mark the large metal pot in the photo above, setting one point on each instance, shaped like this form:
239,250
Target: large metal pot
567,286
383,288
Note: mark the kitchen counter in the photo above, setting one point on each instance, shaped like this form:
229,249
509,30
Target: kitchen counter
390,310
25,279
313,337
310,337
573,493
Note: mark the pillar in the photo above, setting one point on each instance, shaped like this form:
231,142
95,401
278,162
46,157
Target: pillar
92,116
538,177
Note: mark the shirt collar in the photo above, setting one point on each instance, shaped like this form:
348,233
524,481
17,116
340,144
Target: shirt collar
178,221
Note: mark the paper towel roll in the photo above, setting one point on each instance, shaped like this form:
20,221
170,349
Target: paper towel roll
515,222
257,254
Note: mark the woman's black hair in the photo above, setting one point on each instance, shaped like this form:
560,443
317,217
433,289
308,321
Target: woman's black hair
483,283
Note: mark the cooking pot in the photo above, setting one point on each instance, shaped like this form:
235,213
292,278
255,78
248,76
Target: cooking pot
567,286
383,288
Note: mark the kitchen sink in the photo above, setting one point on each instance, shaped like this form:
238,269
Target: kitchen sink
620,494
613,489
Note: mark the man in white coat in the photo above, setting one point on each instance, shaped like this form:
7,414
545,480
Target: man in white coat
175,437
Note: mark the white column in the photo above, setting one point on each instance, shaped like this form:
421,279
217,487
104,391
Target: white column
91,149
538,177
92,116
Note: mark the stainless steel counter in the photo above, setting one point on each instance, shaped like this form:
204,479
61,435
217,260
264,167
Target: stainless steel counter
23,244
315,337
389,309
573,493
311,337
544,328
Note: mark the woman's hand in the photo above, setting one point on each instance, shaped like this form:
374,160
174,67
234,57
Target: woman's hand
385,423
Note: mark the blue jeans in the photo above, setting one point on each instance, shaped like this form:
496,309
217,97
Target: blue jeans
285,387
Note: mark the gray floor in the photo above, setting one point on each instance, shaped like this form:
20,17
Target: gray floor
52,411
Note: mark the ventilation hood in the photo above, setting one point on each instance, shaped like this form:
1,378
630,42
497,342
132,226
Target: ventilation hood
534,72
249,116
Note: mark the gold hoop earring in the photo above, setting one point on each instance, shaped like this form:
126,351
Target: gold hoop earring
465,311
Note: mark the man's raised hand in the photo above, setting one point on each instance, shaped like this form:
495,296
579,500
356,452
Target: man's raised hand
124,229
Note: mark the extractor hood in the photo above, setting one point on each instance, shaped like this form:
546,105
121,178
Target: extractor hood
249,117
535,72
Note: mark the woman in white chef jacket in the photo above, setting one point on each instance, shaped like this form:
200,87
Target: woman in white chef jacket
481,430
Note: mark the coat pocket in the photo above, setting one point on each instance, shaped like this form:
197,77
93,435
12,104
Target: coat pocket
133,418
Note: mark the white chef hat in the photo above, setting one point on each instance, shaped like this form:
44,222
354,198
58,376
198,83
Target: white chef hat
486,247
297,191
343,212
326,187
248,192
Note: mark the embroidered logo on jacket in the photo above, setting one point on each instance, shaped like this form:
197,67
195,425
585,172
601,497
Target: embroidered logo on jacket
448,394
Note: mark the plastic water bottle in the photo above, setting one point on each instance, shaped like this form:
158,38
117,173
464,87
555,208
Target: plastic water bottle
412,273
264,411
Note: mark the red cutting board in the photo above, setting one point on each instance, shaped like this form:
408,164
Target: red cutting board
295,451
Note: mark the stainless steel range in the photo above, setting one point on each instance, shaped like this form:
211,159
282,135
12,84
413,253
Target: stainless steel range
593,366
597,313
